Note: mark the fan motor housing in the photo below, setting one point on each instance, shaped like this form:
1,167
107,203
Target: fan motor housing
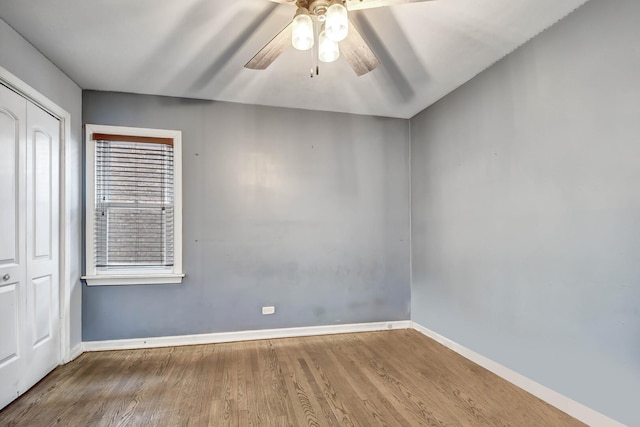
317,8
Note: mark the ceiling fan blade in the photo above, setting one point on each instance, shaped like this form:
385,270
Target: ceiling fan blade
357,52
271,50
370,4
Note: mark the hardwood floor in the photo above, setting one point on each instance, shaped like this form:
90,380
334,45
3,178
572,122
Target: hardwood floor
389,378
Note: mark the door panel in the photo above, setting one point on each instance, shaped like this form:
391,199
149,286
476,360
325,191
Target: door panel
42,230
42,292
29,244
9,335
10,118
42,167
14,327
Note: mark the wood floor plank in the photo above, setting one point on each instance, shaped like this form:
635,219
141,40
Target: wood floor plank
424,408
377,405
335,391
297,389
439,404
388,378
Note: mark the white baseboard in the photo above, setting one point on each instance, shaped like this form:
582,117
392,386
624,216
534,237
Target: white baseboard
221,337
569,406
76,351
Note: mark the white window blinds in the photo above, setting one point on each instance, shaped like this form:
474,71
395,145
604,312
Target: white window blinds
134,203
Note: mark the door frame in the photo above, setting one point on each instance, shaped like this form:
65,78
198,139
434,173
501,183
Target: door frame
18,85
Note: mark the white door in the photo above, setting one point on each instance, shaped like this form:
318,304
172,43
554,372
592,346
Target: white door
29,244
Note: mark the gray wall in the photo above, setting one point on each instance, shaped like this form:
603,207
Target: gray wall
526,210
23,60
307,211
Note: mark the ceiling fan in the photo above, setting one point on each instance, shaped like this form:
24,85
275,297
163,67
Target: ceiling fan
327,22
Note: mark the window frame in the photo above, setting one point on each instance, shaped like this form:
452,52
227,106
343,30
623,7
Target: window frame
131,276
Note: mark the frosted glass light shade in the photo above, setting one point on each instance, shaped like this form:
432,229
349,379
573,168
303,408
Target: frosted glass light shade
302,32
328,50
337,23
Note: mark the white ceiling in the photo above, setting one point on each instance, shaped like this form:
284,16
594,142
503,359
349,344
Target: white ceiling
197,49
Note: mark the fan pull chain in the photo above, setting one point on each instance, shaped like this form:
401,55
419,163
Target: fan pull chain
311,69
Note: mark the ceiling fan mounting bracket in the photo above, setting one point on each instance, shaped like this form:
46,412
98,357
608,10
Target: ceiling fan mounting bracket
317,8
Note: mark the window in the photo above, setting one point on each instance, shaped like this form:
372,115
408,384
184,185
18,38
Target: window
133,206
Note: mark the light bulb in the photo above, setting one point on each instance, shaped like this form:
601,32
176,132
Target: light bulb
302,30
337,22
328,50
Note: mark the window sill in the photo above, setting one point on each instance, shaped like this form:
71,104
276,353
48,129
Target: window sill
133,279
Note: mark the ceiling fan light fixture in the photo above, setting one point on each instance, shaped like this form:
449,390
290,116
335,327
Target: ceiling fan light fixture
337,22
328,50
302,30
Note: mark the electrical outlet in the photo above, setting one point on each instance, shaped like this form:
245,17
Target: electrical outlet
268,310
